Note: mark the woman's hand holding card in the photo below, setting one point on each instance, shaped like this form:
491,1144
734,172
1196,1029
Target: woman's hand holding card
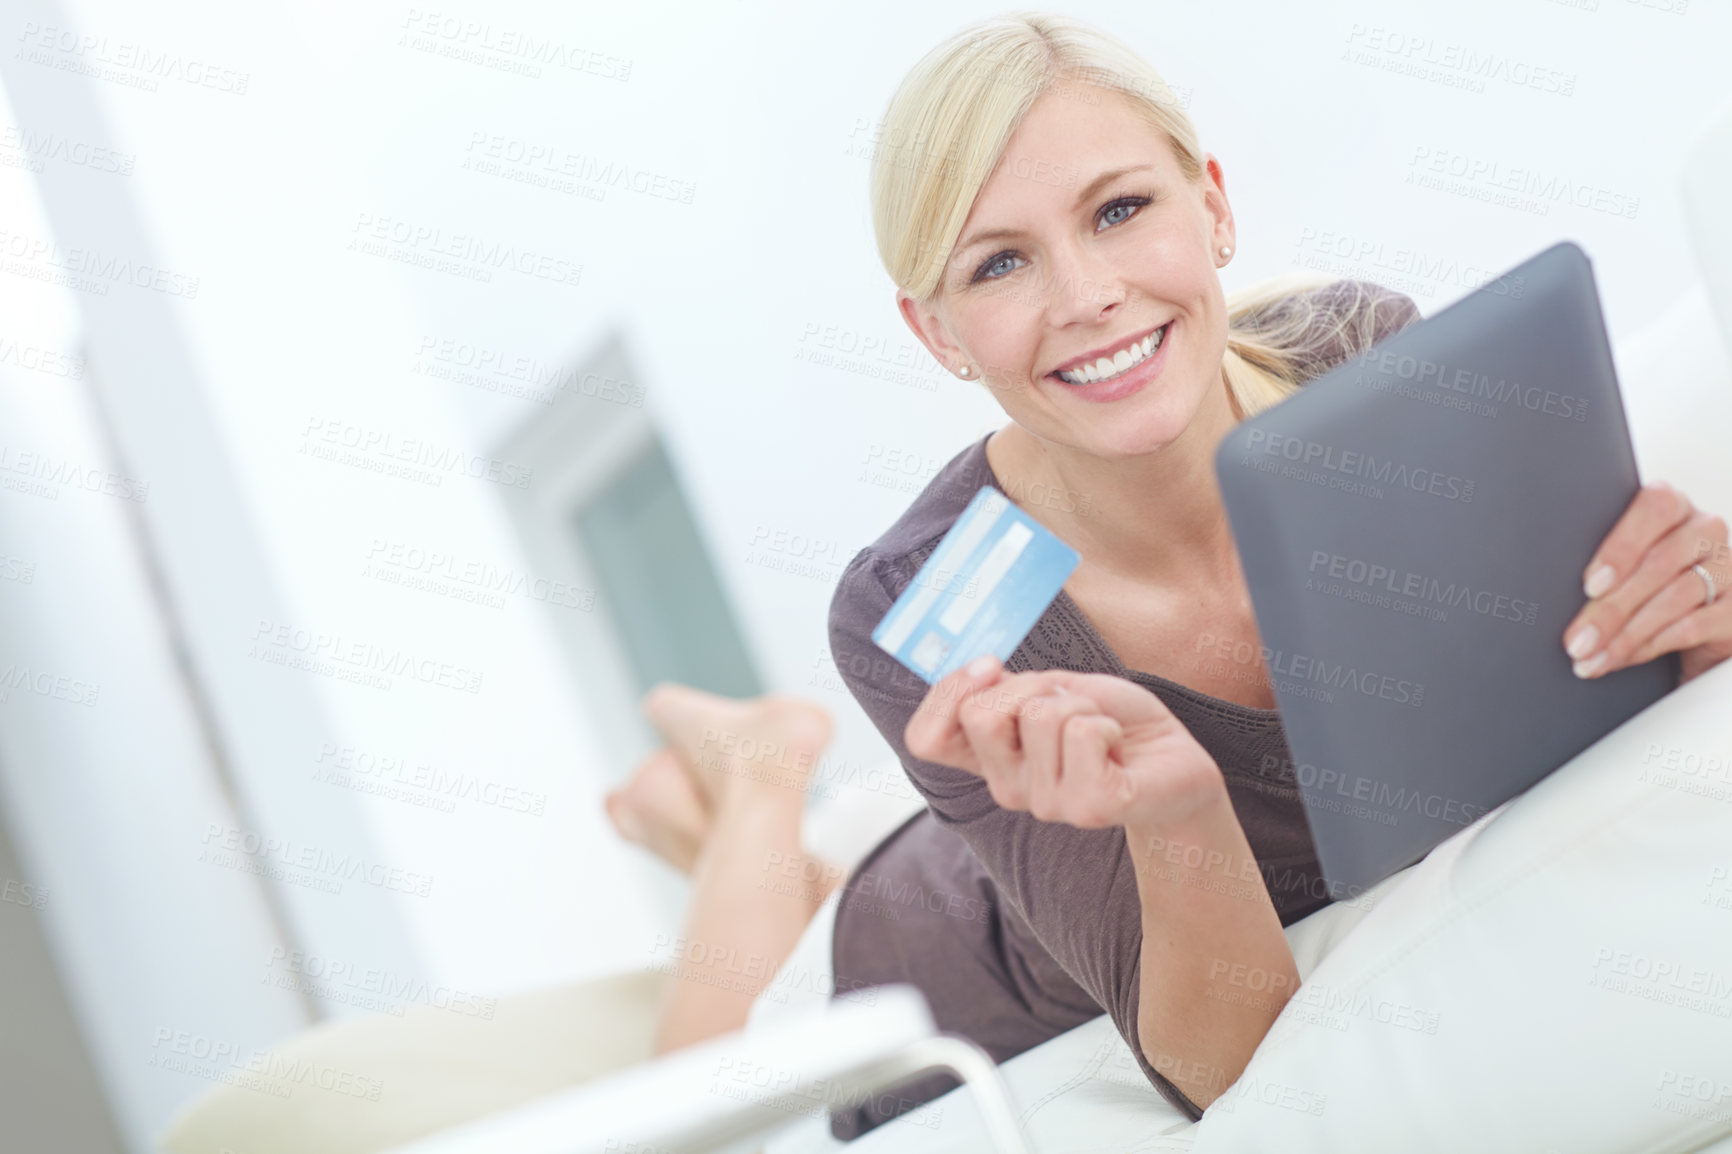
1087,749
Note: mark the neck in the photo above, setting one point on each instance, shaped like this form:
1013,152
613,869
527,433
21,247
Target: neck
1157,517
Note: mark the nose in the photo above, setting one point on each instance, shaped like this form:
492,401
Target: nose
1084,287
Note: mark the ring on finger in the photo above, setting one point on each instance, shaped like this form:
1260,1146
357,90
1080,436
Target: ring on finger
1708,580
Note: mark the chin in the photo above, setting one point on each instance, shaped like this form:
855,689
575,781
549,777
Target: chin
1156,422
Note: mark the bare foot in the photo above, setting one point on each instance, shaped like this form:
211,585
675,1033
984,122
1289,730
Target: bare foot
734,746
662,809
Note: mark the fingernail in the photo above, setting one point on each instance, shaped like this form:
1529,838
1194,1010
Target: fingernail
1599,581
980,667
1589,667
1583,642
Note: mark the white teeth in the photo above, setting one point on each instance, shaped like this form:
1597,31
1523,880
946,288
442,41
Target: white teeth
1108,367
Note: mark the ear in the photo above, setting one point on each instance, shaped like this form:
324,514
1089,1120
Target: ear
1221,230
926,324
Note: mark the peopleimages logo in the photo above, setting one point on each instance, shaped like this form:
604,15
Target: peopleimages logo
322,437
1382,796
1472,382
314,650
340,980
252,852
1300,667
1420,587
1342,676
1362,465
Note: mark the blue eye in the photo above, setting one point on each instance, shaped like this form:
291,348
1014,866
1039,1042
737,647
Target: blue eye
1132,203
1128,205
984,272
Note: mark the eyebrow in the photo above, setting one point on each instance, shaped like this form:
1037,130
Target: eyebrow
1089,191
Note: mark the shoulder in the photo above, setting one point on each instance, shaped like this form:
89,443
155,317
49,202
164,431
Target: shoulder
878,573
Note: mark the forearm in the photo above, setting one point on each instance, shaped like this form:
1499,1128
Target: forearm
1215,968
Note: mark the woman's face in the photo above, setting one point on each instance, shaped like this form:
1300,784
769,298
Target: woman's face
1085,240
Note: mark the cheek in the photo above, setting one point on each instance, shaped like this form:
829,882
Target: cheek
1001,330
1172,273
1182,244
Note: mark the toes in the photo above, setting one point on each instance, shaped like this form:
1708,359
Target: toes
727,745
675,847
673,794
624,816
681,713
805,724
662,809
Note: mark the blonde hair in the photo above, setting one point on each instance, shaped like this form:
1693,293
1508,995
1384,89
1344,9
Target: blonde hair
948,123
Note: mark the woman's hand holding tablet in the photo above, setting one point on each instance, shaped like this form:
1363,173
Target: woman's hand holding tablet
1659,583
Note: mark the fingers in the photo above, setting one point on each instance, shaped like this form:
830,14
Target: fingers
1062,771
1679,598
1050,743
997,721
1044,769
991,731
1655,511
935,732
1654,594
1102,789
1697,624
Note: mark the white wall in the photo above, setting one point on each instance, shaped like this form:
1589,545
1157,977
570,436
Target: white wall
104,777
768,111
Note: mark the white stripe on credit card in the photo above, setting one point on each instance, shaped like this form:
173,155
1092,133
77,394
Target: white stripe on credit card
913,613
987,514
992,570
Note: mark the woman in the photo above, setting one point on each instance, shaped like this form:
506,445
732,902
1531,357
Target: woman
1121,802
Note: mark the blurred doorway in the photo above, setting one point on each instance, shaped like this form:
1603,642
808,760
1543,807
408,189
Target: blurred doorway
607,516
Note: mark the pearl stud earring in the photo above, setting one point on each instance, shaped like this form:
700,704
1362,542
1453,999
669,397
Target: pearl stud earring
1226,252
965,371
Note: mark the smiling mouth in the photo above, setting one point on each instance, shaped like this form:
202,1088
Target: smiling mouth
1117,365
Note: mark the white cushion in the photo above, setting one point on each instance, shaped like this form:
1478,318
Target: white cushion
395,1079
1562,978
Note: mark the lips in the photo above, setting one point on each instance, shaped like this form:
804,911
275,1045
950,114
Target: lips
1103,351
1112,362
1126,383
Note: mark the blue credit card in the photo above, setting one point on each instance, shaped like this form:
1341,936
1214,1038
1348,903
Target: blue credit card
980,592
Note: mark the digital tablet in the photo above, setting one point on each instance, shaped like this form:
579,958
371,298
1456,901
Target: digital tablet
1413,527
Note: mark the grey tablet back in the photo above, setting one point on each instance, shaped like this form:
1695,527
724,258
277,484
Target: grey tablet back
1413,526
